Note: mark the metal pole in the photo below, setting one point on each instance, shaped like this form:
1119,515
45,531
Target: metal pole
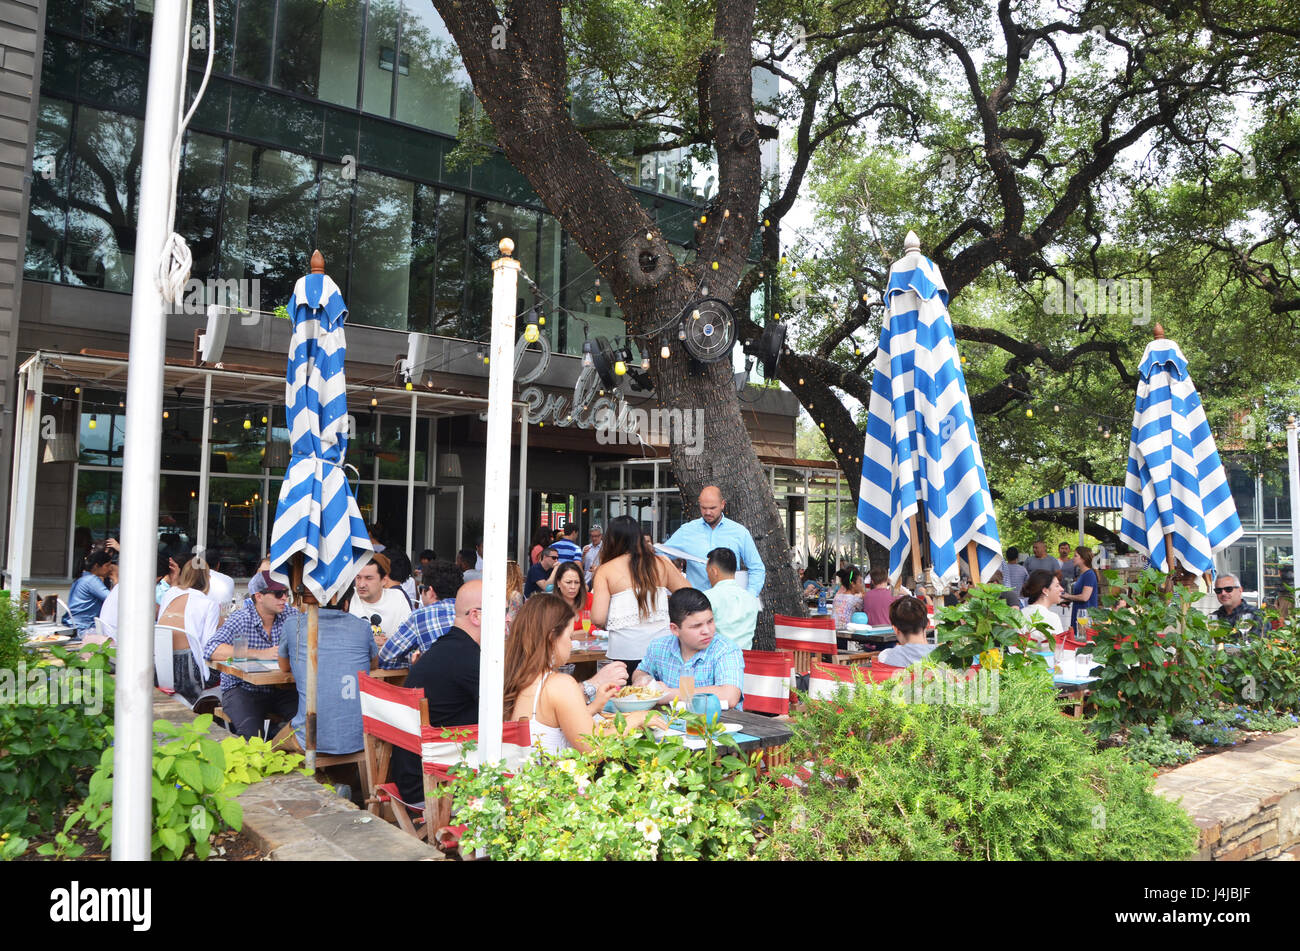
522,541
205,467
1293,472
27,444
496,482
410,482
313,653
133,739
1078,488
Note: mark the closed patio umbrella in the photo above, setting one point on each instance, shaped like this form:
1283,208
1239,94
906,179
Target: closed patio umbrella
317,523
1177,503
922,457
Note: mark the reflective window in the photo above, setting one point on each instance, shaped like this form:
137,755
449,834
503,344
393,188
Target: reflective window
490,221
1279,568
238,438
449,316
392,450
237,523
432,85
381,253
1276,496
379,62
198,201
334,229
99,506
106,183
253,38
318,49
47,212
102,432
579,296
121,22
1242,483
268,227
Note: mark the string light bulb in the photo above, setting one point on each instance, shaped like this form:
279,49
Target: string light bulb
1056,408
1029,414
645,363
248,423
681,333
77,390
620,368
695,315
263,419
409,386
531,333
374,400
92,424
586,353
486,360
597,297
166,415
664,352
715,265
541,320
704,219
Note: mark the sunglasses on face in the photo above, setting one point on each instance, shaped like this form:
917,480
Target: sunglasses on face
278,595
1231,587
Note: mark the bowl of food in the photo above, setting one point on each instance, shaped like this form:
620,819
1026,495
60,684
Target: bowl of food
630,699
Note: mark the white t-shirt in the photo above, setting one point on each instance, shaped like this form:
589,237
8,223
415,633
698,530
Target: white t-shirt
1049,616
392,608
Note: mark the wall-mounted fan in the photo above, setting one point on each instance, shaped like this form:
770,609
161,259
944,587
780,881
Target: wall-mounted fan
709,330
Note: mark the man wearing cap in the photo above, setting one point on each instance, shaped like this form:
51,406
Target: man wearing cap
248,705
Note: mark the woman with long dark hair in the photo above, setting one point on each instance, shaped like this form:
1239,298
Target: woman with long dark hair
630,591
571,585
1043,592
541,542
540,641
1086,588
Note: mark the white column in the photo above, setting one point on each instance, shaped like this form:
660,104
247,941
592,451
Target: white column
1293,473
133,738
410,481
522,540
1078,491
27,446
496,485
205,468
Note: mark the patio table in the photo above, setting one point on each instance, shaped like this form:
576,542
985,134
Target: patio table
268,673
584,657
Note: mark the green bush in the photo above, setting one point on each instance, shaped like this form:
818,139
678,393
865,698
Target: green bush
49,745
892,780
631,798
1266,668
1157,657
982,629
195,782
13,634
1153,745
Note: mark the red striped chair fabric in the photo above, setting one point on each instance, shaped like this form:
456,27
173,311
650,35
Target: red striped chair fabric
767,681
813,634
391,713
444,747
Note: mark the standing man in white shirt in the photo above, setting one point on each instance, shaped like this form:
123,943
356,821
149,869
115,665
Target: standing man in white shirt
221,587
591,554
373,599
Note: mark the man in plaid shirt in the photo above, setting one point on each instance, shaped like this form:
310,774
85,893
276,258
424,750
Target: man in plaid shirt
248,705
434,618
693,650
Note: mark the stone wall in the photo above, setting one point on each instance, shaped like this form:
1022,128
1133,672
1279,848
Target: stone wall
1245,801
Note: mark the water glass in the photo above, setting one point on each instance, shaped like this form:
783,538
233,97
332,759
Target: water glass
708,705
239,648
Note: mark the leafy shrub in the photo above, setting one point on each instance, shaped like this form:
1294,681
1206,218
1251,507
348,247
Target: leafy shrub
631,798
1153,745
195,782
1215,724
1157,657
13,621
943,781
984,627
1266,668
47,748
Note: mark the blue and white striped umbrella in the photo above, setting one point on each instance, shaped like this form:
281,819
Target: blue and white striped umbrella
1175,483
922,456
1095,497
317,513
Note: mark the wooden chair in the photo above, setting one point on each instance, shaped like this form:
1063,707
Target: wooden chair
768,681
444,748
810,638
393,716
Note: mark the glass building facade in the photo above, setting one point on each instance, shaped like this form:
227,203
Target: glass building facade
327,125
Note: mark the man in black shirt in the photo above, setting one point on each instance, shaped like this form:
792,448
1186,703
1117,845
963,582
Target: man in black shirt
1232,609
448,674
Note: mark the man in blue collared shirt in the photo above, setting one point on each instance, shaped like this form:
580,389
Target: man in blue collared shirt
86,598
692,649
712,530
434,618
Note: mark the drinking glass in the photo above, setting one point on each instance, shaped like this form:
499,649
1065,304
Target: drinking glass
586,625
239,648
708,705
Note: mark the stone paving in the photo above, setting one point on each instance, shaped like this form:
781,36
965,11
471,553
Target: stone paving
1245,801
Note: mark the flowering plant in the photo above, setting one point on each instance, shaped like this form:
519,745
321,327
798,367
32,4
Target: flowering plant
631,798
983,628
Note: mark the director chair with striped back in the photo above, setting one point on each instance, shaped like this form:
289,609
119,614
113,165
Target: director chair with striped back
812,638
393,716
443,748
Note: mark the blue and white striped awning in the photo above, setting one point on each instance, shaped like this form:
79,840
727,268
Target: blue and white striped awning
317,513
1175,485
922,456
1103,497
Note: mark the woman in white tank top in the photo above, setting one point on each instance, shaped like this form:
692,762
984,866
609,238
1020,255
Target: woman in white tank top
630,591
541,639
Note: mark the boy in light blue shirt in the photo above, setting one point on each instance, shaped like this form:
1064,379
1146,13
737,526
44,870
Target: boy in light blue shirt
735,610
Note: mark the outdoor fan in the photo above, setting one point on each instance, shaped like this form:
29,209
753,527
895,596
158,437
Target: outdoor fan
708,330
767,348
603,358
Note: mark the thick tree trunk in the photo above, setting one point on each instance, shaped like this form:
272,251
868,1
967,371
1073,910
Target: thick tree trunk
518,72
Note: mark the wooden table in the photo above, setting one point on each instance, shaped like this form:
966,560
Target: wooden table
282,678
771,734
584,657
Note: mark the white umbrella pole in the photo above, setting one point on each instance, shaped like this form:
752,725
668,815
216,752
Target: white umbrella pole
205,472
1293,471
133,739
1078,490
496,482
